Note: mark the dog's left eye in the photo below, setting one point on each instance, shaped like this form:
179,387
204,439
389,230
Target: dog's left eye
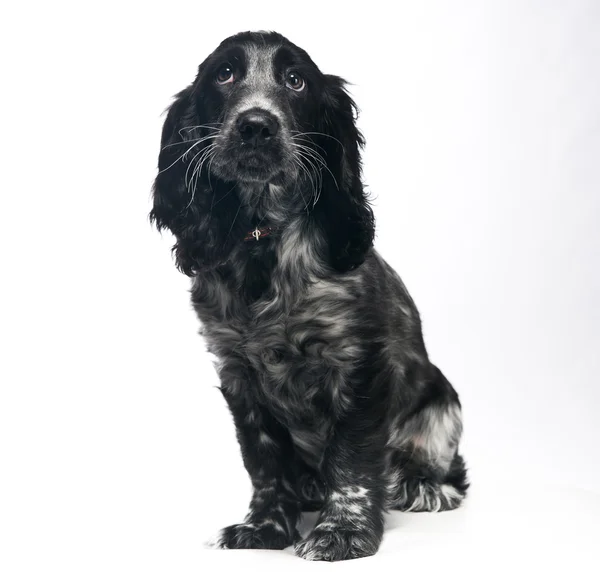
295,82
225,74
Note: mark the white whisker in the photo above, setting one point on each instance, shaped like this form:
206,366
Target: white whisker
203,150
198,170
181,157
319,176
318,159
210,127
307,172
322,134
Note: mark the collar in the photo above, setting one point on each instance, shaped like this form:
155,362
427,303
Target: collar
259,233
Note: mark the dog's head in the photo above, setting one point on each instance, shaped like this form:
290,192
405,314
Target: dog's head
261,133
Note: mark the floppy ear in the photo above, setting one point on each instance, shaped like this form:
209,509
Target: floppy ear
196,214
343,211
169,189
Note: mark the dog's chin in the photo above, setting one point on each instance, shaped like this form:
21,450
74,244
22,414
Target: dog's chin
255,174
253,169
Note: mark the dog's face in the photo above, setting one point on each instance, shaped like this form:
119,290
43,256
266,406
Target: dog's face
259,98
261,134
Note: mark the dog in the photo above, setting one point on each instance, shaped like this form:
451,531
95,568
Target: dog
320,352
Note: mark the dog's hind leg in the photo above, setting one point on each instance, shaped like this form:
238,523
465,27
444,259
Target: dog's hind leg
423,467
417,487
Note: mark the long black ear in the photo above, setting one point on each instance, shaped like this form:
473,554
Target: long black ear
343,210
195,212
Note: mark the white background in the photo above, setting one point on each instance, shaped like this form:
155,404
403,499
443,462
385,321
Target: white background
118,456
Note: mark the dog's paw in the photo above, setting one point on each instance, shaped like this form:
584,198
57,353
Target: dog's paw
336,544
265,535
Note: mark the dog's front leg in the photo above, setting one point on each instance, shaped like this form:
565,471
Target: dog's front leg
274,508
351,522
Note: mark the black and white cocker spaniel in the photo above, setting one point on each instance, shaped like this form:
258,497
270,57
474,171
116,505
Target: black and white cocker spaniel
320,352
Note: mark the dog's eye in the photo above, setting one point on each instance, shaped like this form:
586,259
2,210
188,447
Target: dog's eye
294,82
225,74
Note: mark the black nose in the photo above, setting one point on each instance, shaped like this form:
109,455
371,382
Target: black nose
257,127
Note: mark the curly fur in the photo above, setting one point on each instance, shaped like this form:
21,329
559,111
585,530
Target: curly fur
319,345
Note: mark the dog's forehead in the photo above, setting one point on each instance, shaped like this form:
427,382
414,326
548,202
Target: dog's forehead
259,86
260,60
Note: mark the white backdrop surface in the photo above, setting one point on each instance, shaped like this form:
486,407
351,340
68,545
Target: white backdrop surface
117,454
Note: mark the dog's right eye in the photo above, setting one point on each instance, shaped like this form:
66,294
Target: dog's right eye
225,74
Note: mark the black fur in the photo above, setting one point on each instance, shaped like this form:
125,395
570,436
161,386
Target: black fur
336,404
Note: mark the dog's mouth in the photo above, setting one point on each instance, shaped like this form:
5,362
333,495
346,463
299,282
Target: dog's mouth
240,162
259,166
256,162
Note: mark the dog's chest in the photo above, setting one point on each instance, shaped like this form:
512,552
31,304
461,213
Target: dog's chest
299,352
